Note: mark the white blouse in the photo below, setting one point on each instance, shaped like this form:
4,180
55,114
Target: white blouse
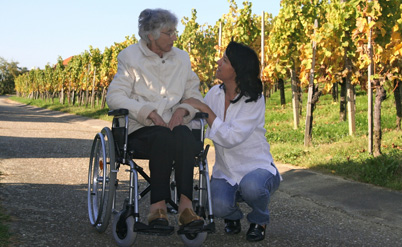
239,140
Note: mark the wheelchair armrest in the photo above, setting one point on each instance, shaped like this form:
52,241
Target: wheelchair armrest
201,115
118,112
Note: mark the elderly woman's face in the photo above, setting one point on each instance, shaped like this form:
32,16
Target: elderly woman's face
165,41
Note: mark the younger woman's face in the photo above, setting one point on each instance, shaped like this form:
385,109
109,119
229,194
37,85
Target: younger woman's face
225,71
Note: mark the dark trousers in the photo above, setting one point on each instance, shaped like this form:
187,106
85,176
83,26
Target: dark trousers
163,146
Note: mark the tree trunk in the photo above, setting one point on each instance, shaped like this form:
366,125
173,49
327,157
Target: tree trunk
295,99
309,115
398,103
69,94
379,98
103,98
308,136
53,96
281,86
335,92
82,97
342,102
86,97
93,90
62,96
73,97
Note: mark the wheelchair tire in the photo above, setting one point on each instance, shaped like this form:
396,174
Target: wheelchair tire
193,239
125,236
101,180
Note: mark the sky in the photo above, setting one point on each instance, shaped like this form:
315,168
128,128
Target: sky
36,33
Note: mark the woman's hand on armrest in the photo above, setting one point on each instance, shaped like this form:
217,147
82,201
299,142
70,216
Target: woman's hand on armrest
202,107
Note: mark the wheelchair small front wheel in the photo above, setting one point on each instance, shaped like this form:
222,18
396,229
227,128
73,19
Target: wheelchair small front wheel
193,239
101,180
124,234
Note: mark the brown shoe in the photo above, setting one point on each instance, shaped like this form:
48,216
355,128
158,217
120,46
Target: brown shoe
159,217
189,218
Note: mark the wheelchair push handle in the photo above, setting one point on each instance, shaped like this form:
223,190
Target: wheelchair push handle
201,115
118,112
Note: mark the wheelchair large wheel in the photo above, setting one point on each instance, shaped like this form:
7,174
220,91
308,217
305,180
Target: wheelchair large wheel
101,180
124,235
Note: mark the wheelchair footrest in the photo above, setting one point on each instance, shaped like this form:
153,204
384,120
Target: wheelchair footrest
210,228
142,228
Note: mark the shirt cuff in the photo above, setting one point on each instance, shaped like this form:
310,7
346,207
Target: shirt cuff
144,113
191,112
215,127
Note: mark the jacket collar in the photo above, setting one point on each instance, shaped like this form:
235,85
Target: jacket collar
148,53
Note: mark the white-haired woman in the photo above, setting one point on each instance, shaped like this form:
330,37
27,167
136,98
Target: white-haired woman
151,80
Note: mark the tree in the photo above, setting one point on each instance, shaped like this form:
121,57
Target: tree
199,43
9,71
283,51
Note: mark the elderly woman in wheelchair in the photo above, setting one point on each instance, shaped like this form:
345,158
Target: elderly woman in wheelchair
150,121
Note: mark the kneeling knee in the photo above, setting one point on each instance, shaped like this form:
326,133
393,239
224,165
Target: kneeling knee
221,207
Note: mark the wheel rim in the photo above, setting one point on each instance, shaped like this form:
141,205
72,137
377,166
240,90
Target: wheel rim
101,180
96,185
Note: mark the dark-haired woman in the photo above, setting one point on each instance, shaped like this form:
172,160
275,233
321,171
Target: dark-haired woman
244,169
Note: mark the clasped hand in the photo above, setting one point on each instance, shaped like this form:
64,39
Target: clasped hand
176,120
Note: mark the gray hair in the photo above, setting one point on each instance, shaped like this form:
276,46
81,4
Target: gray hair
152,21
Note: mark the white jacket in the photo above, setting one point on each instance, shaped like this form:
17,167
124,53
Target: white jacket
239,140
145,82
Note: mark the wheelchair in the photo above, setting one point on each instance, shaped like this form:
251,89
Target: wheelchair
108,153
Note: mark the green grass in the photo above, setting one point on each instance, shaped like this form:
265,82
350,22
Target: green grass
95,112
333,150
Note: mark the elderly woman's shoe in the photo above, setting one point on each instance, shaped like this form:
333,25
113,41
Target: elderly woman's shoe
189,218
158,218
255,232
232,226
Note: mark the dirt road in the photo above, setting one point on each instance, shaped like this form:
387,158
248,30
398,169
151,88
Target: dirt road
44,158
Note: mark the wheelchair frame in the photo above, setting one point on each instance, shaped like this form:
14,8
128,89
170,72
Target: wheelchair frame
109,151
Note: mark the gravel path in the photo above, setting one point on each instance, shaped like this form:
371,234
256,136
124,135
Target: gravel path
44,157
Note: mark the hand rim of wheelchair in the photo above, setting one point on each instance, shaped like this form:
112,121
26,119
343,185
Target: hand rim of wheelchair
100,205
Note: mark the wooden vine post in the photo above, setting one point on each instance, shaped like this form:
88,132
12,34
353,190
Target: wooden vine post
310,104
370,91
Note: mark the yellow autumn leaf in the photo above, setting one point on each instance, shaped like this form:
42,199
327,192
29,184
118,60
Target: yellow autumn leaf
360,24
398,50
396,36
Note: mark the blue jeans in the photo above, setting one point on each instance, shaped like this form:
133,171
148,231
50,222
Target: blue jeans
255,189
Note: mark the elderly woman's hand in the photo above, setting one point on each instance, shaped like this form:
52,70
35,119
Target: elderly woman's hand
157,119
177,118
